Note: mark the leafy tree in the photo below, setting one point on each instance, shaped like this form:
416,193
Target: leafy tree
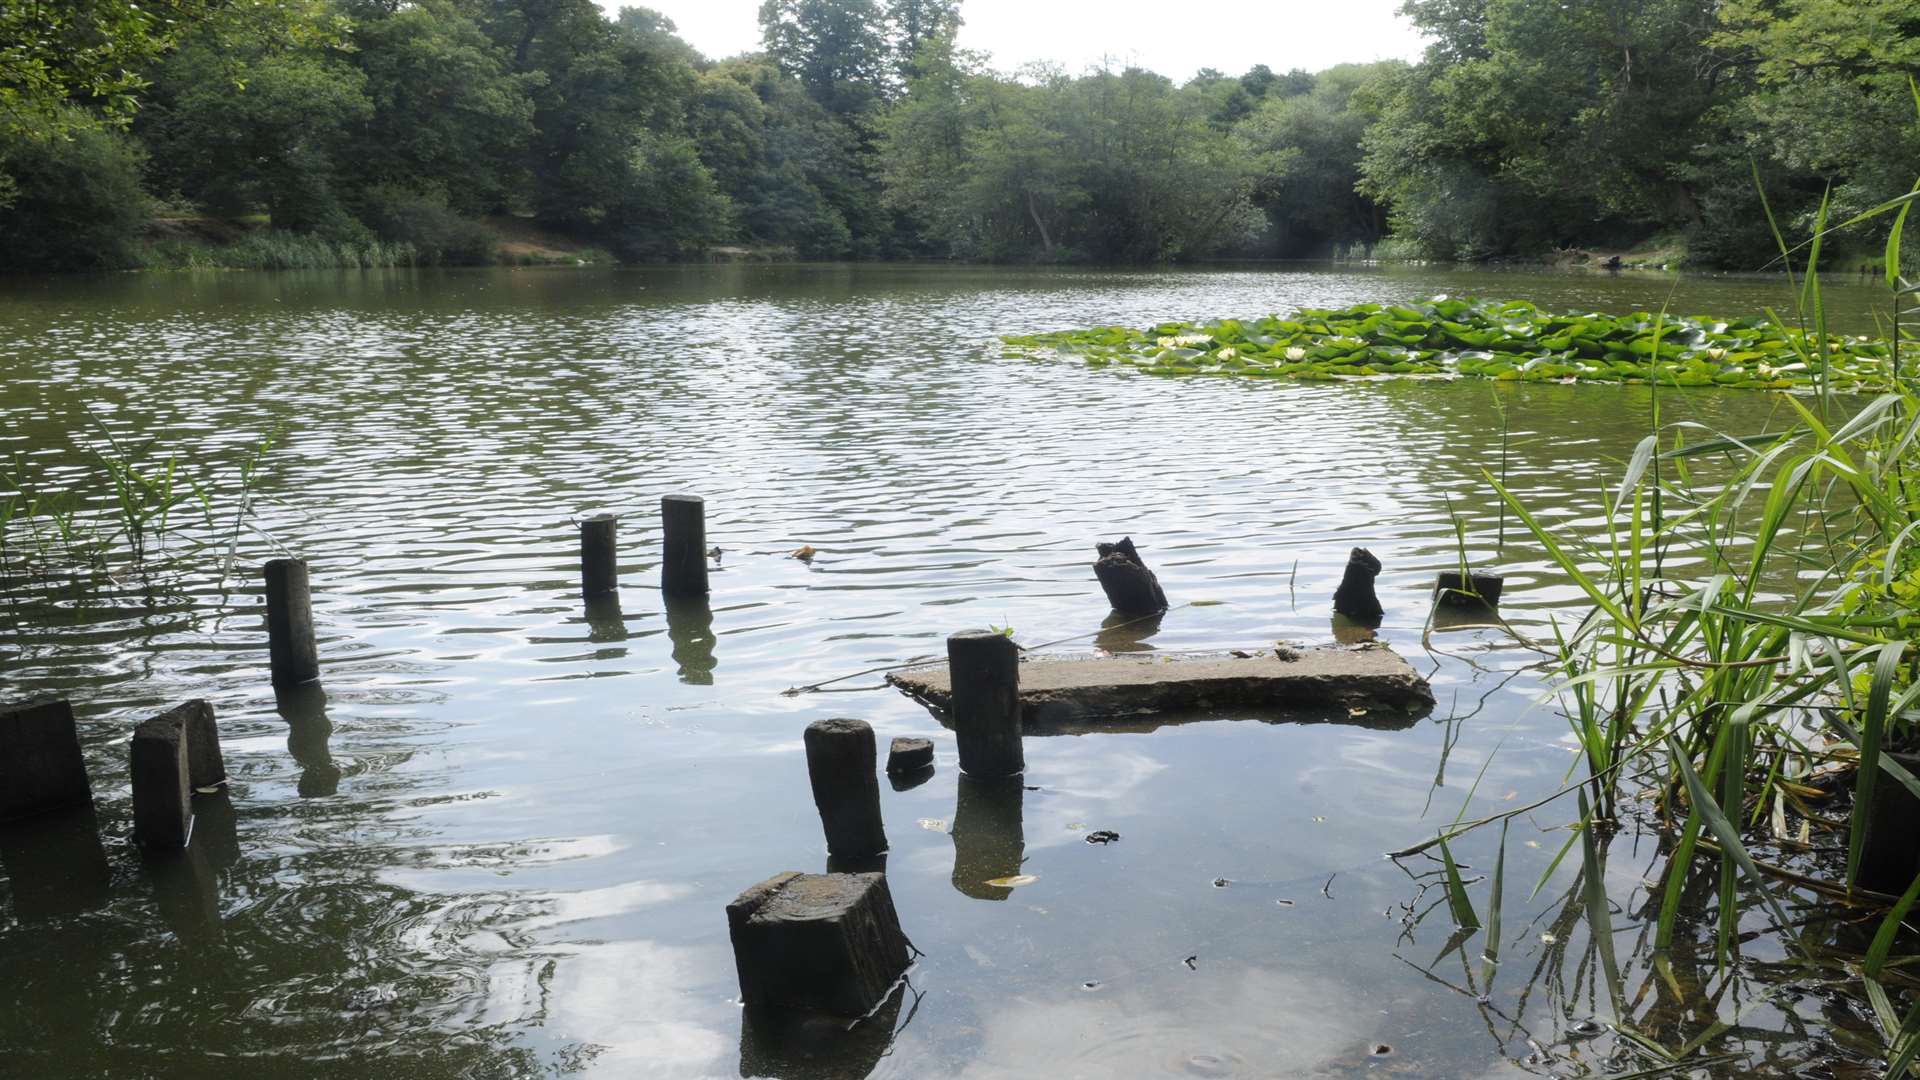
267,127
834,47
447,112
1309,154
74,200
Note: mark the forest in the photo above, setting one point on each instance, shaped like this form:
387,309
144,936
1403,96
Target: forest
369,132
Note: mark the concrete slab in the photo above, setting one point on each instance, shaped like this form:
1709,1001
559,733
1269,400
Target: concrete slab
1371,685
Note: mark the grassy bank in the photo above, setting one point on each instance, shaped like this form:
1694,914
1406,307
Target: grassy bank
251,243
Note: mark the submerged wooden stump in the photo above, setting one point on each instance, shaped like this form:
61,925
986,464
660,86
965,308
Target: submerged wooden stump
1131,588
1355,597
290,648
683,555
983,693
1891,857
41,769
1474,591
599,557
206,767
846,788
162,813
907,756
830,942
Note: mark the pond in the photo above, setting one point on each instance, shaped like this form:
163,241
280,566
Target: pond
498,842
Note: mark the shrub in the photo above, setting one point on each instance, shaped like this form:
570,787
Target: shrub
421,219
76,201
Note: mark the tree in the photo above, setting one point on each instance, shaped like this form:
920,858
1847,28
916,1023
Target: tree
1309,151
833,47
447,113
916,24
74,200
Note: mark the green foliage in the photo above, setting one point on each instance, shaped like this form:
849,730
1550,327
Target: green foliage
1504,340
74,198
421,222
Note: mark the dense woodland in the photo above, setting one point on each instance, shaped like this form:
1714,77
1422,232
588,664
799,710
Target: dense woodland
413,131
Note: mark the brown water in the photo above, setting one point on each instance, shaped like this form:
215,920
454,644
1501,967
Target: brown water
499,841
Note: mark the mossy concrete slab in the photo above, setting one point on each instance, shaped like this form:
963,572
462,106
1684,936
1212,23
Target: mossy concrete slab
1371,685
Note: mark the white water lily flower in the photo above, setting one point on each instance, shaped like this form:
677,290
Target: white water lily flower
1296,353
1228,353
1717,354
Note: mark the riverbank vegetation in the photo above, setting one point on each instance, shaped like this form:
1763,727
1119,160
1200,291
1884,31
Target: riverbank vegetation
349,132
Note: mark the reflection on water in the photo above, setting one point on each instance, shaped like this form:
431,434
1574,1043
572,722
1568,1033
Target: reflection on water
55,864
690,628
1128,633
606,624
499,843
309,732
989,841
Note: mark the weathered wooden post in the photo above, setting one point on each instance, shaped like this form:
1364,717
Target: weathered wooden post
162,815
1471,591
41,768
985,670
599,557
1131,588
206,767
830,942
1355,597
290,647
907,756
683,559
846,787
1891,856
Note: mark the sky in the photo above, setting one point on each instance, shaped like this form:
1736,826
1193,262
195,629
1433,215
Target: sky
1174,38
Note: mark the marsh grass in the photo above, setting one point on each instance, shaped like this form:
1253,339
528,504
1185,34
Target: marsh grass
118,520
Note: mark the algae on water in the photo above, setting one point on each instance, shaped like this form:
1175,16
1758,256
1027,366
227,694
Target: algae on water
1492,339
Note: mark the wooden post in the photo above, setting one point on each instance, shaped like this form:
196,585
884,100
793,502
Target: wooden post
290,623
683,559
907,756
40,764
985,669
205,766
1131,588
162,817
1891,856
817,941
599,557
1355,597
1475,591
846,788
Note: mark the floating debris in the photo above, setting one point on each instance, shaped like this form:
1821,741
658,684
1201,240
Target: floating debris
804,553
933,824
1221,883
1102,836
1014,881
1192,962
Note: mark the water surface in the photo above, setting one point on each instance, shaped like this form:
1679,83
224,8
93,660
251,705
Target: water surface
498,839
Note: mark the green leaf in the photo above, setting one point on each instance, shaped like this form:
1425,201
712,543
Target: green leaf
1463,915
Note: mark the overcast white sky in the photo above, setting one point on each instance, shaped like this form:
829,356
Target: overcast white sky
1173,37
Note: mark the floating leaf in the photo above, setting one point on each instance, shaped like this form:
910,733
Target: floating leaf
1013,881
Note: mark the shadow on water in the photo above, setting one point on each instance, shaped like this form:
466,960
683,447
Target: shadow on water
989,841
304,708
56,865
690,628
1120,633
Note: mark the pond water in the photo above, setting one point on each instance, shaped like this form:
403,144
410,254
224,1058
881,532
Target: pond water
498,840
